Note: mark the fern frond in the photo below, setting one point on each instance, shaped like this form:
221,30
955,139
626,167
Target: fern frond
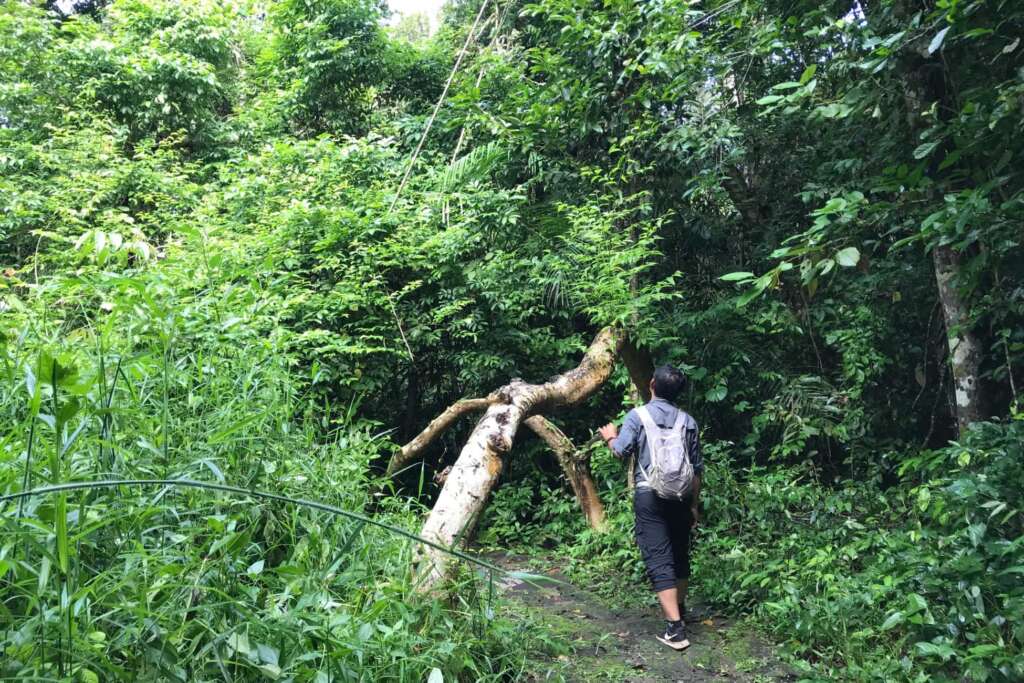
477,164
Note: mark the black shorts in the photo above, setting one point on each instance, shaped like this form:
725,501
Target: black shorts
663,533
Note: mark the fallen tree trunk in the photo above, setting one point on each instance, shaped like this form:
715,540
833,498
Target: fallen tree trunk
482,459
576,466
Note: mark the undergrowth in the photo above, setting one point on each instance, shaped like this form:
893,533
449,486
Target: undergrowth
140,376
918,581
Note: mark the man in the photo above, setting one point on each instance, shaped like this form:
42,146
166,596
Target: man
662,526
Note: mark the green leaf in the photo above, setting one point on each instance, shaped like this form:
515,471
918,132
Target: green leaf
950,159
986,649
916,603
848,257
933,650
769,99
734,277
808,73
267,654
937,40
271,671
893,620
925,149
717,394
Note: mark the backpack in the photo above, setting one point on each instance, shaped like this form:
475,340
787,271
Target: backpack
671,472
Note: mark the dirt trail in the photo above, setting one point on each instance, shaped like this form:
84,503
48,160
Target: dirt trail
619,645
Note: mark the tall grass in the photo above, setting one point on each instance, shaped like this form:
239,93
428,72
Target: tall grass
114,581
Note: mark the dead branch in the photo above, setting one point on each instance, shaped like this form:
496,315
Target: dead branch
576,466
482,459
436,428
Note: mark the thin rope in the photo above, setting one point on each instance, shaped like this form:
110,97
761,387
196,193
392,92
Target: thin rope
437,106
415,155
324,507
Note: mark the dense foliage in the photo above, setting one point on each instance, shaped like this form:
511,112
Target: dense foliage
239,244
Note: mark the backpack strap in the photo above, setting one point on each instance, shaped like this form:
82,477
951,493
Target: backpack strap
649,429
680,426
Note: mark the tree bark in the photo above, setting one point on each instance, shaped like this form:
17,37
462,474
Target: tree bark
744,195
433,430
965,349
640,367
924,85
474,474
575,465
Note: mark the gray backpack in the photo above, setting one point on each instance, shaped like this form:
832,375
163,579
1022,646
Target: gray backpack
671,472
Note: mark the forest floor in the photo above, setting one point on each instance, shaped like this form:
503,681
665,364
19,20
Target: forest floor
618,644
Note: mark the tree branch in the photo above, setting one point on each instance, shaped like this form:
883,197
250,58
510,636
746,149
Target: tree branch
436,428
478,466
576,466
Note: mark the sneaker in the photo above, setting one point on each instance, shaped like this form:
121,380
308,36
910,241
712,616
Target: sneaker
675,636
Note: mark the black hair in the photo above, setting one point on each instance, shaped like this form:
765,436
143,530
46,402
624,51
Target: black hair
668,382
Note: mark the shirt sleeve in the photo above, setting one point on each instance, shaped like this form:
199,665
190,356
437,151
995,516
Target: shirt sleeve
624,445
693,446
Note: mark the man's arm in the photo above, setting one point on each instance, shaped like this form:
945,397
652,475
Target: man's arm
621,443
695,499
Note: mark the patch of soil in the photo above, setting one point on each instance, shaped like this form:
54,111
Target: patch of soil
619,644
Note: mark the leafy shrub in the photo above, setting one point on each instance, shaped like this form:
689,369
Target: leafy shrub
138,375
920,581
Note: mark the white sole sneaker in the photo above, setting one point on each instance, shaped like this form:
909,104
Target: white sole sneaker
674,644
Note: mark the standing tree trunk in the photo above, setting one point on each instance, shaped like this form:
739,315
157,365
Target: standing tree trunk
474,474
924,89
640,366
965,349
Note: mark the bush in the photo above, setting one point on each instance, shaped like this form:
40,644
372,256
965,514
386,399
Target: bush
140,375
920,581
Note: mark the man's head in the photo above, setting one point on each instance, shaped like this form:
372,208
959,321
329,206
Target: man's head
668,382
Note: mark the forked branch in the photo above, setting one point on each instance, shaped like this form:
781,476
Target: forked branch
474,474
436,428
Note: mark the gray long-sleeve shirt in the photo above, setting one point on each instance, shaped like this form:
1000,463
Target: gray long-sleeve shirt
633,441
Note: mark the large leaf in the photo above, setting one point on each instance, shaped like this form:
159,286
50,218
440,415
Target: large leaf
937,40
737,276
848,257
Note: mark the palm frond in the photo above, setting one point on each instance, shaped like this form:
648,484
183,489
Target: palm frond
477,164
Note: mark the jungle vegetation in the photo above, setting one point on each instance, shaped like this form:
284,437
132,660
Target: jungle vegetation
264,243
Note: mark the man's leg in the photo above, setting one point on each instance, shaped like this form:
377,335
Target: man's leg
652,535
680,530
669,605
654,539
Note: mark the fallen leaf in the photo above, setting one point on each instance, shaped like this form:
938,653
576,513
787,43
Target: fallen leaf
708,622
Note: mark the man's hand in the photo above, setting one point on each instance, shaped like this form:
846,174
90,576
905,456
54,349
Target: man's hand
608,433
695,514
